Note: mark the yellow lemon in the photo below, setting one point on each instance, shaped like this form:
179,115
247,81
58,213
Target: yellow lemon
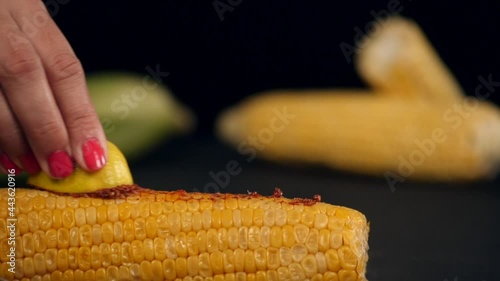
115,173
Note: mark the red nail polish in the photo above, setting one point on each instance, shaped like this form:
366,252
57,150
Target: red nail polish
9,165
29,163
93,154
60,164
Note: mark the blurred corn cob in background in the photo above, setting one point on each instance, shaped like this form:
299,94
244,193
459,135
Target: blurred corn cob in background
182,236
138,113
414,123
368,133
400,61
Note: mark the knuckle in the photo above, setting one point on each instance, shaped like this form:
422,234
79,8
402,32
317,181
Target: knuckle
81,119
23,61
63,66
48,129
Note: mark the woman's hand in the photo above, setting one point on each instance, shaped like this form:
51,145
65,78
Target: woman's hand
46,117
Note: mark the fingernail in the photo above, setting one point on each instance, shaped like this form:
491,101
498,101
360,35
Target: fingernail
60,164
93,154
29,163
9,165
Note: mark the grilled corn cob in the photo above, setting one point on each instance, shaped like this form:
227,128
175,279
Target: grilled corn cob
368,133
400,61
153,235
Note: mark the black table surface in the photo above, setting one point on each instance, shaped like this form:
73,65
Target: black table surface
419,231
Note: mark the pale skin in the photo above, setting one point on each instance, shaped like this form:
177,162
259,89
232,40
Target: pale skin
46,116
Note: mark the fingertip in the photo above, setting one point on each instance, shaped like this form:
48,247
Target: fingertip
29,163
93,155
60,164
9,166
104,145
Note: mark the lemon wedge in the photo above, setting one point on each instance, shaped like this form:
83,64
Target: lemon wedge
115,173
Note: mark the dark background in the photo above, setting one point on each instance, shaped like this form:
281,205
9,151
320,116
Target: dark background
264,45
424,232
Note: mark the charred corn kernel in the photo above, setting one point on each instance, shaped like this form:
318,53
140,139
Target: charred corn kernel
114,173
119,247
370,134
399,61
